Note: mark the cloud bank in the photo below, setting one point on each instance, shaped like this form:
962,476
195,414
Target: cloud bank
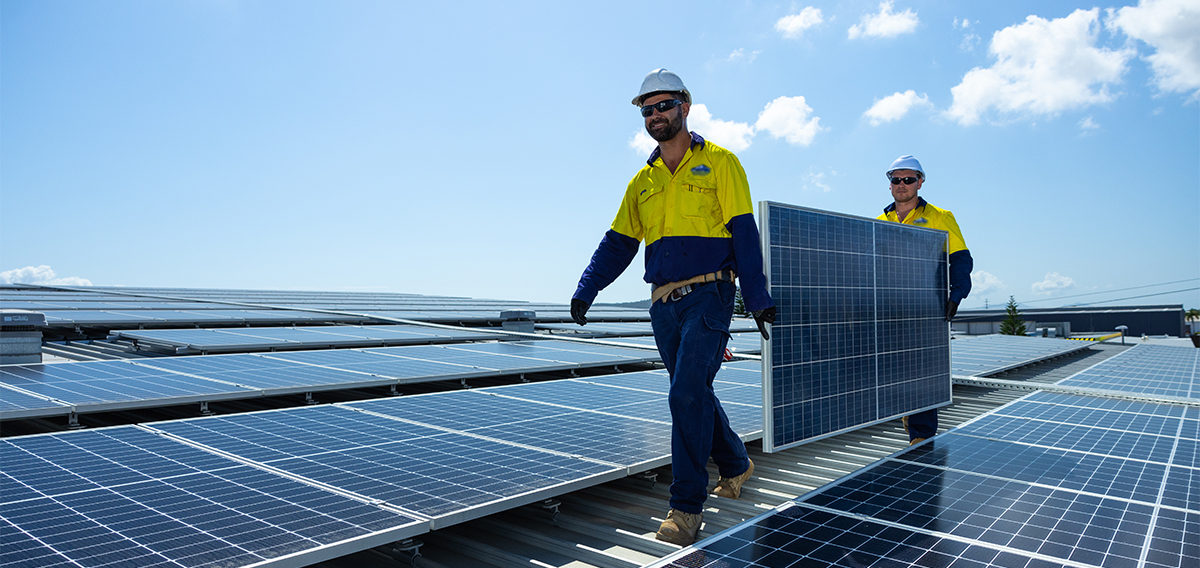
43,275
1042,67
1172,28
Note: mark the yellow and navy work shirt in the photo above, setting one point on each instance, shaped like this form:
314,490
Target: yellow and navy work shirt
696,220
929,216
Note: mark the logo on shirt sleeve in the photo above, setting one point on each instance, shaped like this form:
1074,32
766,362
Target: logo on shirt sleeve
701,170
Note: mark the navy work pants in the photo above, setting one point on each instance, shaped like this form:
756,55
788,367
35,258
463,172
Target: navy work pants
923,424
691,334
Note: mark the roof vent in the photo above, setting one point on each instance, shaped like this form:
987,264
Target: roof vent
518,320
21,336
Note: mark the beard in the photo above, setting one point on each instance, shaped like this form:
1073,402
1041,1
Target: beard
662,129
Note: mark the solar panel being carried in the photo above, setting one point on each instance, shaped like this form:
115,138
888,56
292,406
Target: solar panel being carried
860,335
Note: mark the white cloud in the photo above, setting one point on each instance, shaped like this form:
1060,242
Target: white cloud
794,26
893,107
735,136
964,24
642,143
43,275
1088,124
982,281
788,118
814,179
784,117
739,55
969,42
885,23
1043,67
1053,282
1172,28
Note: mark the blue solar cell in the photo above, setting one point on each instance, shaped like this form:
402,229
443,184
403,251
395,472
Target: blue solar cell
860,336
131,497
1154,370
579,395
107,382
803,536
984,355
1020,516
461,410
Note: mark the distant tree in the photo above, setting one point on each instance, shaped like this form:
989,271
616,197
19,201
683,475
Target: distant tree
739,307
1192,314
1012,324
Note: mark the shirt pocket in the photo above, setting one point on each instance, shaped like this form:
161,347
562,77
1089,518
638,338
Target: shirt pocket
652,211
699,207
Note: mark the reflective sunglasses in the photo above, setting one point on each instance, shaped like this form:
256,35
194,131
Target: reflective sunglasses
905,180
661,106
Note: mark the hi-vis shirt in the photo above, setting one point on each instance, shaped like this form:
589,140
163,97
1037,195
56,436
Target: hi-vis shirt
697,220
929,216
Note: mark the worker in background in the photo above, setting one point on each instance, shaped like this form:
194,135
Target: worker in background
691,204
906,177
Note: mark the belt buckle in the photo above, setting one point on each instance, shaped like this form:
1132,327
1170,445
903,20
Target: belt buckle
678,293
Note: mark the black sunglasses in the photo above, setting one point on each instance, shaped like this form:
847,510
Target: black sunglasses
906,180
662,106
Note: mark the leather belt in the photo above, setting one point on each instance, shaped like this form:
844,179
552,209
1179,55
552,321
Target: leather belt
674,291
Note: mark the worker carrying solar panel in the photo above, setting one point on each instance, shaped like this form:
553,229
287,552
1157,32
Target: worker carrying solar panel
691,205
907,176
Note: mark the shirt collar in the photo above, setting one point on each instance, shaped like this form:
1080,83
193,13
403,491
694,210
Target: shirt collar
696,139
892,206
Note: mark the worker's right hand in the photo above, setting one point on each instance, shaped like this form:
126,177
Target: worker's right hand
578,309
762,318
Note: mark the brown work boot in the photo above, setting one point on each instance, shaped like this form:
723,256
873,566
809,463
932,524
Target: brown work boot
916,441
731,487
679,528
904,421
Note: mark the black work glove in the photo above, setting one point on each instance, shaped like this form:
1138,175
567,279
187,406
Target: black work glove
951,309
762,318
578,308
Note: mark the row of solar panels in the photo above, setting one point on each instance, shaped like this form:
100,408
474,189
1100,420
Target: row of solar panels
245,340
1049,480
29,391
297,486
58,389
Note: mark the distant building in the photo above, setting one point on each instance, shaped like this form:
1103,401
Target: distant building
1165,319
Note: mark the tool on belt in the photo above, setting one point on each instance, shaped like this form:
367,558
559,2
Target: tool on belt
675,290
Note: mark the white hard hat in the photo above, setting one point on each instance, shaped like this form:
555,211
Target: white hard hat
661,81
905,163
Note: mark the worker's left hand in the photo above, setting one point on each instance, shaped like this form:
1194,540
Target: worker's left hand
762,318
578,309
951,309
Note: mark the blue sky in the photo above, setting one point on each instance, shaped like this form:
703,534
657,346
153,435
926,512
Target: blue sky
481,149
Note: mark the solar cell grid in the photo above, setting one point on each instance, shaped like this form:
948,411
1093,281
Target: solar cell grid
1090,529
1121,478
985,355
804,536
1156,370
124,496
860,336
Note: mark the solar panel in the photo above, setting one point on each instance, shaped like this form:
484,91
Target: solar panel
416,468
1050,479
860,335
242,340
1155,370
124,496
165,381
983,355
797,535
